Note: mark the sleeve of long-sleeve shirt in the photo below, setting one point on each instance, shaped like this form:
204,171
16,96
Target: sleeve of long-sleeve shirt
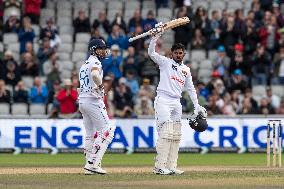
191,90
158,59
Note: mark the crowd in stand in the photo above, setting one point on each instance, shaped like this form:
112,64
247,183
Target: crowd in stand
250,51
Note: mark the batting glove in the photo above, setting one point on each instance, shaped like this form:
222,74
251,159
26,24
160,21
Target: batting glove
200,109
158,30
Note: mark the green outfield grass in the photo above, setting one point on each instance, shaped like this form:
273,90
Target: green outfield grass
202,171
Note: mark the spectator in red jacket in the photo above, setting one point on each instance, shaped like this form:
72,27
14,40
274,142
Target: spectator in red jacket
32,10
67,98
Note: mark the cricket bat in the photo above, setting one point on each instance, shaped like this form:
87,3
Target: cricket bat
166,26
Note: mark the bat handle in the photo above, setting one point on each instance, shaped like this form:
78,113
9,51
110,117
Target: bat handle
139,36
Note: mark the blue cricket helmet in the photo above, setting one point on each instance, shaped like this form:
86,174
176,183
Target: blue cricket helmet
96,44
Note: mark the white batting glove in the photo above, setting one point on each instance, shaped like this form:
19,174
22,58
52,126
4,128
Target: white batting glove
200,109
158,30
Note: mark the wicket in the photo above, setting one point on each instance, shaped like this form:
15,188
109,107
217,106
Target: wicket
274,142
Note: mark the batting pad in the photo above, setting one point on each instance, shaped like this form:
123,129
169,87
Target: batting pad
174,147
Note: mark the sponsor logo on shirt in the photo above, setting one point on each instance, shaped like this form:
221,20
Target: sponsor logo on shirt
184,73
174,67
177,79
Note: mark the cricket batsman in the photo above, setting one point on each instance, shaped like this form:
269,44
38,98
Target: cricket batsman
174,77
99,132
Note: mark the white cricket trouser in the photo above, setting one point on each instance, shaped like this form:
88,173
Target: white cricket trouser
95,119
167,110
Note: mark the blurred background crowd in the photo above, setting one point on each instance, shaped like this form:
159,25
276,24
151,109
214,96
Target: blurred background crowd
235,50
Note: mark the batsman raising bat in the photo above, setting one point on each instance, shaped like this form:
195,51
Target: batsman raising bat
174,77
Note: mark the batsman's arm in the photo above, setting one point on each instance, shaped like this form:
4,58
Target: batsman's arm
191,90
158,59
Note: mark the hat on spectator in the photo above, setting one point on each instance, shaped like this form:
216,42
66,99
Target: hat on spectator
215,74
146,80
187,3
107,78
239,47
221,48
67,82
8,53
150,13
114,48
122,80
238,72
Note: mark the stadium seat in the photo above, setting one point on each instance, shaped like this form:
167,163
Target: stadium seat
50,4
15,47
10,38
258,90
115,5
83,37
149,5
4,108
78,56
67,48
66,38
66,74
67,65
146,10
1,47
43,79
81,5
19,109
112,13
194,65
36,29
80,47
204,73
63,5
247,4
36,46
203,4
49,108
198,55
66,30
206,64
37,109
98,5
63,56
278,90
217,4
64,21
132,4
64,13
235,4
47,13
28,81
212,54
165,12
79,64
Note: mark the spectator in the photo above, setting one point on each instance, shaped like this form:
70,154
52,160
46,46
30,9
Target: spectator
123,100
229,107
39,92
12,74
247,107
240,21
52,94
113,63
139,43
147,89
248,94
278,67
144,106
95,34
118,20
222,62
265,107
150,21
201,21
12,24
67,98
135,21
50,32
237,82
162,3
211,107
5,95
260,66
12,7
198,41
29,48
278,14
102,24
183,33
81,23
26,34
28,67
32,10
272,99
108,97
250,37
215,35
44,52
117,37
20,94
8,57
130,62
132,82
280,110
52,69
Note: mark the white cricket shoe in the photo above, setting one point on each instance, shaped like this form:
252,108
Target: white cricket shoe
177,171
162,171
90,170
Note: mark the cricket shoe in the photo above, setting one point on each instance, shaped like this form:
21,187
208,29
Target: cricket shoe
176,171
162,171
91,170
